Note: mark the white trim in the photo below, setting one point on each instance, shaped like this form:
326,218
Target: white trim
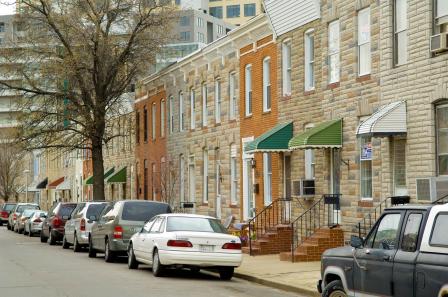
425,246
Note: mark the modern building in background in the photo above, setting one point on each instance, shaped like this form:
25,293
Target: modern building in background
235,12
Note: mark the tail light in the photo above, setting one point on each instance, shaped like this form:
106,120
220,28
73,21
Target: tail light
231,246
4,214
179,243
38,220
14,217
118,232
57,222
82,225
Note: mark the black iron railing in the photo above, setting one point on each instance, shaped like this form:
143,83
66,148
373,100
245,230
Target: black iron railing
323,213
278,212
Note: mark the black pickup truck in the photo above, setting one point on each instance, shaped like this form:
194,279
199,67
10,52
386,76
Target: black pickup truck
405,254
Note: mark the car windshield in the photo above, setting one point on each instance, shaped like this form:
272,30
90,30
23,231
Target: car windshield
194,224
66,209
95,209
9,207
28,212
143,211
21,208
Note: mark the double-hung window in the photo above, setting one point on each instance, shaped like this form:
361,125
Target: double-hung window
266,84
181,112
137,127
182,178
192,110
441,8
267,178
364,50
171,116
205,176
366,167
145,124
442,138
162,118
401,32
232,95
309,60
153,122
218,101
333,52
286,68
248,90
204,105
233,175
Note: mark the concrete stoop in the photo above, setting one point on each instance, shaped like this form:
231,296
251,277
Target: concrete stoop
273,241
314,246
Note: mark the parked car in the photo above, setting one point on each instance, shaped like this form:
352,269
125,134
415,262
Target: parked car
118,222
78,228
34,224
53,225
21,220
405,254
181,240
17,211
5,211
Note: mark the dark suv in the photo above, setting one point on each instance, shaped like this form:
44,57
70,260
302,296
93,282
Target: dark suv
54,225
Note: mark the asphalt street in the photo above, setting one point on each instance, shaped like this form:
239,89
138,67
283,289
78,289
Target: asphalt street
30,268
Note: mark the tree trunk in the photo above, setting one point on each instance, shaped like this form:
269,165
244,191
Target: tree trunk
98,172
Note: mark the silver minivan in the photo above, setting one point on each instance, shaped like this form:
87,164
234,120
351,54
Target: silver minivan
78,228
118,222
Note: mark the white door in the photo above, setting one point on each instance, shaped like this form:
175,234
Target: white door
192,182
335,175
247,181
139,240
218,189
399,167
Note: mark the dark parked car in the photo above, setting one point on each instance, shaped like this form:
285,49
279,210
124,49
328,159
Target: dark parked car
53,226
5,211
118,222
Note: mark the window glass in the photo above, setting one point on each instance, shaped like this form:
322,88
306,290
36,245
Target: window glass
9,207
387,233
216,12
410,236
267,84
309,60
439,234
248,101
401,21
205,176
366,167
204,105
147,226
333,51
194,224
21,208
233,11
249,9
95,209
442,8
286,68
192,110
143,211
267,172
156,226
218,101
442,139
232,95
364,53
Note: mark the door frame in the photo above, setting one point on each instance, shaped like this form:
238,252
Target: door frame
245,158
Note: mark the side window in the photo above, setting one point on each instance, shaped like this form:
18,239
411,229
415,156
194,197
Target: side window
156,226
410,236
438,236
371,236
147,226
106,210
387,232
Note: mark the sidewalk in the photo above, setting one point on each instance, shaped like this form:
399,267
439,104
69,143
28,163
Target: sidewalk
270,271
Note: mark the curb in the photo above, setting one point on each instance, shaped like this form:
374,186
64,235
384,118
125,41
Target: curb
276,285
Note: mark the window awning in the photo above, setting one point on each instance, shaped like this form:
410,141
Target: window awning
43,184
275,140
118,177
55,183
324,135
66,185
390,119
32,187
89,180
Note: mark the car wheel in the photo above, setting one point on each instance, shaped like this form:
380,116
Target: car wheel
1,224
43,239
30,234
92,251
8,227
65,244
109,256
132,262
334,289
76,246
157,267
51,239
226,273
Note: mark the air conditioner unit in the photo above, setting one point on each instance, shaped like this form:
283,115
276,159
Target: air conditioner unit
439,43
431,188
303,188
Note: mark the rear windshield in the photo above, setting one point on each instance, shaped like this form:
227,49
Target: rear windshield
28,212
95,210
194,224
143,211
66,209
21,208
9,207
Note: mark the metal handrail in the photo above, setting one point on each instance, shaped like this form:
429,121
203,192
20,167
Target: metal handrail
367,226
442,200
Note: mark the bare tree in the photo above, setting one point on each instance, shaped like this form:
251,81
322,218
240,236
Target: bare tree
11,167
77,60
168,178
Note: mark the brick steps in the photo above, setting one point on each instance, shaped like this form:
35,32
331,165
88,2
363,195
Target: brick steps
273,241
313,247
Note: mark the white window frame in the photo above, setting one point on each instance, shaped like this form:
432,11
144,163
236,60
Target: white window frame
400,32
192,109
162,118
364,42
218,99
205,191
232,96
267,178
248,90
267,94
181,112
441,11
204,105
334,52
310,172
233,175
171,116
440,106
182,178
153,181
367,162
309,60
286,67
153,121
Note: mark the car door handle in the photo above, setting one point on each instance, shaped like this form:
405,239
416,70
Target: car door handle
386,258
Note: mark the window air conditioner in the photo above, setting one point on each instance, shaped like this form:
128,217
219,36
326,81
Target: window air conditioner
431,188
303,188
439,43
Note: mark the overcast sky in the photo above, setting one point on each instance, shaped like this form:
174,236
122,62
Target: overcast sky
6,9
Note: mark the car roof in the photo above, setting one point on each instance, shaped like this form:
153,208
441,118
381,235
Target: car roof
411,207
186,215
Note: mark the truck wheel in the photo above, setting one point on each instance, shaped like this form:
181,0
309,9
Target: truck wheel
334,289
226,273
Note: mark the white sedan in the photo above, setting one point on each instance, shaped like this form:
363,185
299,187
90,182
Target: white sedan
183,240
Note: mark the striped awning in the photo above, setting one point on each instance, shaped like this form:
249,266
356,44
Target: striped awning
324,135
275,140
89,180
118,177
56,183
390,119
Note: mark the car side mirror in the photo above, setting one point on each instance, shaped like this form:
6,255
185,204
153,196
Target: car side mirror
356,242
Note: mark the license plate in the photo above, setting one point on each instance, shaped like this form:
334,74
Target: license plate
206,248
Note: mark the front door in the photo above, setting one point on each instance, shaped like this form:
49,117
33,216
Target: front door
399,167
191,181
218,188
373,271
248,194
335,181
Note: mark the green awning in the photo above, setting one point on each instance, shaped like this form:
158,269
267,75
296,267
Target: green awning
325,135
89,180
275,140
118,177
